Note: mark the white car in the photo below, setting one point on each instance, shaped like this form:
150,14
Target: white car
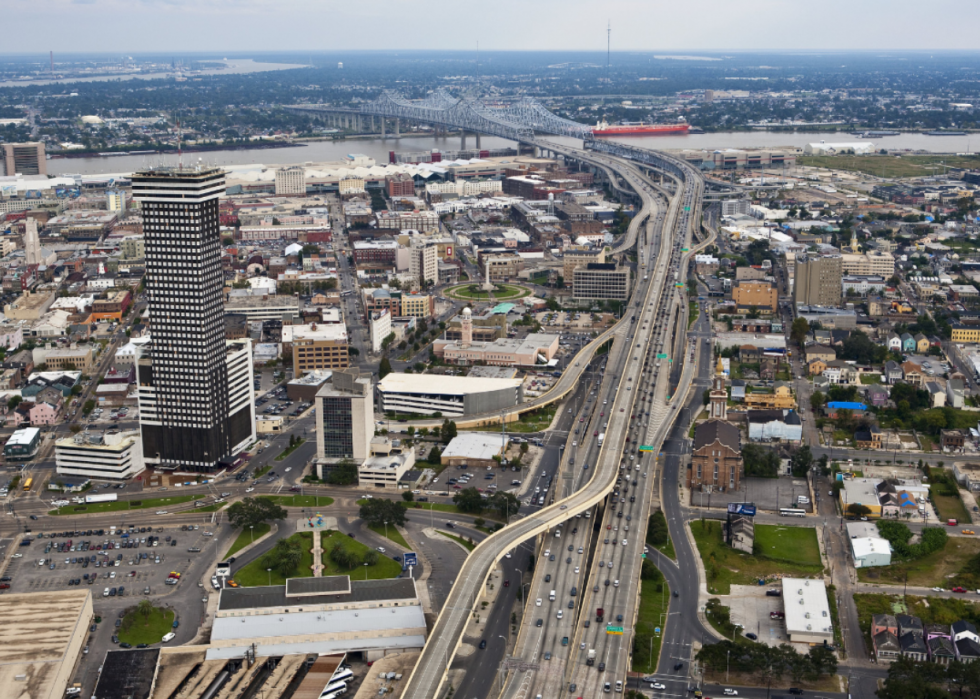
288,469
169,637
657,685
249,490
18,555
624,542
381,549
560,614
730,693
161,512
537,602
112,574
938,589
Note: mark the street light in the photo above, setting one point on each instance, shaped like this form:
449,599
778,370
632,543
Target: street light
251,530
269,571
365,571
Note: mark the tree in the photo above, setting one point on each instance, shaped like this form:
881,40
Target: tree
657,534
524,447
385,368
343,473
759,461
858,510
343,557
88,407
469,501
371,558
799,331
435,456
144,608
352,351
448,431
16,400
387,341
505,504
407,496
817,400
801,461
252,511
377,511
284,558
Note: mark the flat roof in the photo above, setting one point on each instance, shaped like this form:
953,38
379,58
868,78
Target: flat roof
314,331
474,445
127,674
330,584
313,378
270,597
24,436
36,636
860,491
443,385
359,623
806,607
867,545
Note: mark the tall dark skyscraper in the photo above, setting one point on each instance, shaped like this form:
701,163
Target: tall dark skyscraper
195,388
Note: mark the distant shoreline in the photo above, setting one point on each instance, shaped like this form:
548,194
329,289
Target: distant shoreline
171,151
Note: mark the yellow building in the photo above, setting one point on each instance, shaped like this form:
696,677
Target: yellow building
816,367
921,344
966,334
781,398
417,305
755,294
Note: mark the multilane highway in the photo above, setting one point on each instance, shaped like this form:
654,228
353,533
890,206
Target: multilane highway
629,348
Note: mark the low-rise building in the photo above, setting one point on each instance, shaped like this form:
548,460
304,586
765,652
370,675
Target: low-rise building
476,449
384,471
317,347
451,396
23,444
107,456
807,611
775,425
534,350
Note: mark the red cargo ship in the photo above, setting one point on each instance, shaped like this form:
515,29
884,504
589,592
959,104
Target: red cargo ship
603,129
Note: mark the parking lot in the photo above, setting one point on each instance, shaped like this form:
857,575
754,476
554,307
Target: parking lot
107,416
768,494
126,562
276,403
752,608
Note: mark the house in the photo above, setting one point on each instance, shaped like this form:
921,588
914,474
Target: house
841,373
909,624
769,367
964,629
884,622
749,354
914,647
937,395
741,534
913,373
818,351
955,391
738,390
886,645
908,344
941,650
952,440
869,438
967,650
893,372
937,631
43,414
921,343
895,343
816,367
877,395
775,425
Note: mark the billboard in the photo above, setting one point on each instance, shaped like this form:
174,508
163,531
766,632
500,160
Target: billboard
449,252
742,508
410,559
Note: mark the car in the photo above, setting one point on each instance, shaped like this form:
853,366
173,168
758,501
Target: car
774,593
968,531
730,692
751,637
560,614
959,589
34,517
380,549
539,623
657,685
169,637
795,690
483,644
938,589
125,645
678,666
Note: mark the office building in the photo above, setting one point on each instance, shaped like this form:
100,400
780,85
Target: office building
818,280
502,267
23,159
425,221
109,456
380,326
451,396
872,263
400,185
291,181
315,347
385,470
579,256
423,263
601,281
417,306
344,419
262,306
197,409
350,185
115,200
536,349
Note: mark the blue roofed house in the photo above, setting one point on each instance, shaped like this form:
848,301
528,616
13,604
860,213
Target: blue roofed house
835,405
908,343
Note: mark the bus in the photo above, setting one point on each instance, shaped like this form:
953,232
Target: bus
28,483
791,512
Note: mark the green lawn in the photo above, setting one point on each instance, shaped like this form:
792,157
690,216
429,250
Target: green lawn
668,549
211,508
246,537
653,603
459,540
792,544
255,574
123,505
870,379
531,421
393,534
725,566
262,471
933,570
300,500
889,165
504,292
137,629
384,568
951,507
289,450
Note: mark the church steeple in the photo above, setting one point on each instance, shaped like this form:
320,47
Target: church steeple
718,398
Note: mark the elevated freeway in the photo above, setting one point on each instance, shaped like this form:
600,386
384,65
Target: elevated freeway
630,346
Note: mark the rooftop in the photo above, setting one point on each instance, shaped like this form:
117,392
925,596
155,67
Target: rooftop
323,332
274,597
806,606
24,436
474,445
127,674
444,385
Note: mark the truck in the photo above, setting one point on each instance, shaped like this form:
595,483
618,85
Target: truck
102,497
602,436
599,612
590,659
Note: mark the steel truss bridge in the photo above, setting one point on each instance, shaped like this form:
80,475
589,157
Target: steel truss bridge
518,121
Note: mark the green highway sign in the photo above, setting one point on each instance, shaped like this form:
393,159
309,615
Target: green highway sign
646,447
662,355
687,208
684,249
614,630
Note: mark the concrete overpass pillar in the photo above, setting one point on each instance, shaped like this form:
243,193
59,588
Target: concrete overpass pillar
384,130
398,127
462,140
477,141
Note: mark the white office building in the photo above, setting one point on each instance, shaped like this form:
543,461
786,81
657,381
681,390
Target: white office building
380,322
112,455
807,611
291,180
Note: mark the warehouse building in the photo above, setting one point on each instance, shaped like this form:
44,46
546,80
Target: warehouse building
474,449
452,396
328,615
807,611
23,444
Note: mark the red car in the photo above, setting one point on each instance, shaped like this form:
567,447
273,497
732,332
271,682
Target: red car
959,589
506,583
596,433
581,419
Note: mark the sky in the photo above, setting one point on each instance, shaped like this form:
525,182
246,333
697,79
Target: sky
643,25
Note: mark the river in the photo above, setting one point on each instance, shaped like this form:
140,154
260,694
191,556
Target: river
332,151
